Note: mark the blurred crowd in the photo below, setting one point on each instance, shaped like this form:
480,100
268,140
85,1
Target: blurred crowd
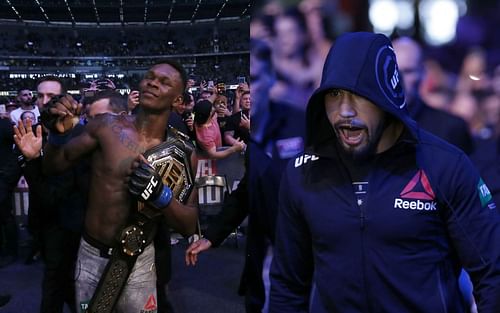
220,69
88,42
300,36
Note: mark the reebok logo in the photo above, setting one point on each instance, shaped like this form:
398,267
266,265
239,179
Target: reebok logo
410,193
414,205
418,182
150,306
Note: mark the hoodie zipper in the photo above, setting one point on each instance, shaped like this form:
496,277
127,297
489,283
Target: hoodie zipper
362,218
362,222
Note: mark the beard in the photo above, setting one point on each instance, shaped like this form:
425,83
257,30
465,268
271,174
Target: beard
367,150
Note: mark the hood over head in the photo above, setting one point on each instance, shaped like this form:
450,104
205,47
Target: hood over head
365,64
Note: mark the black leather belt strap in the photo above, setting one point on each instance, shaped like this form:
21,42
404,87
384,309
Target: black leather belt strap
105,251
134,239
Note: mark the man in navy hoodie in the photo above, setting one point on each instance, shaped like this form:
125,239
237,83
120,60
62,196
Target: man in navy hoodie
378,215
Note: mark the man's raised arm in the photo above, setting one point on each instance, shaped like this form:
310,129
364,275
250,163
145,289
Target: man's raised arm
64,147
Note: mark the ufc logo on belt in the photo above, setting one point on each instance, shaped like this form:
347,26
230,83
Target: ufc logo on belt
149,189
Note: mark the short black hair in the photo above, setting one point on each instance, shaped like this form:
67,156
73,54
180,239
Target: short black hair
117,102
186,97
21,89
202,110
178,67
51,78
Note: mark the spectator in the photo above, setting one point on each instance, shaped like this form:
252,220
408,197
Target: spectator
189,102
290,57
106,101
55,216
133,100
238,124
442,124
11,106
242,88
25,100
176,118
473,77
48,87
9,176
208,136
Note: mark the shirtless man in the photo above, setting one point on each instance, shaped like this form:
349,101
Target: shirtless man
115,143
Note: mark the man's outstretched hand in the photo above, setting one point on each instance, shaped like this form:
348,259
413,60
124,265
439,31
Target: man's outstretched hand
29,143
194,249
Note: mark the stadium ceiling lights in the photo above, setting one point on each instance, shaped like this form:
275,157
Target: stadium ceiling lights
145,11
169,18
121,12
221,8
69,10
96,13
14,9
195,10
43,11
122,21
246,9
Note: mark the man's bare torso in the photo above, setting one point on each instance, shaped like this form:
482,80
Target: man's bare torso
110,203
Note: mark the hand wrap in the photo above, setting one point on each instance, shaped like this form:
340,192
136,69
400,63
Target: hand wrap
50,120
146,185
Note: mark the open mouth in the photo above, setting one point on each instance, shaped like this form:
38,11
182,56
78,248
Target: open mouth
350,134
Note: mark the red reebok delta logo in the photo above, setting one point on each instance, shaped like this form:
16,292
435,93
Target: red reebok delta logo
422,200
409,193
150,304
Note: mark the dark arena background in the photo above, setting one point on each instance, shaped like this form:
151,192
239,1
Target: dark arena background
81,41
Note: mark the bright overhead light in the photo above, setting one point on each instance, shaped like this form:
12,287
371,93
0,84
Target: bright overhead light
406,17
383,15
439,18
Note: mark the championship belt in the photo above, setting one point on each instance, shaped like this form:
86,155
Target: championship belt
133,240
171,159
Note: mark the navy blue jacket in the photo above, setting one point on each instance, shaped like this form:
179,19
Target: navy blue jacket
486,158
427,212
